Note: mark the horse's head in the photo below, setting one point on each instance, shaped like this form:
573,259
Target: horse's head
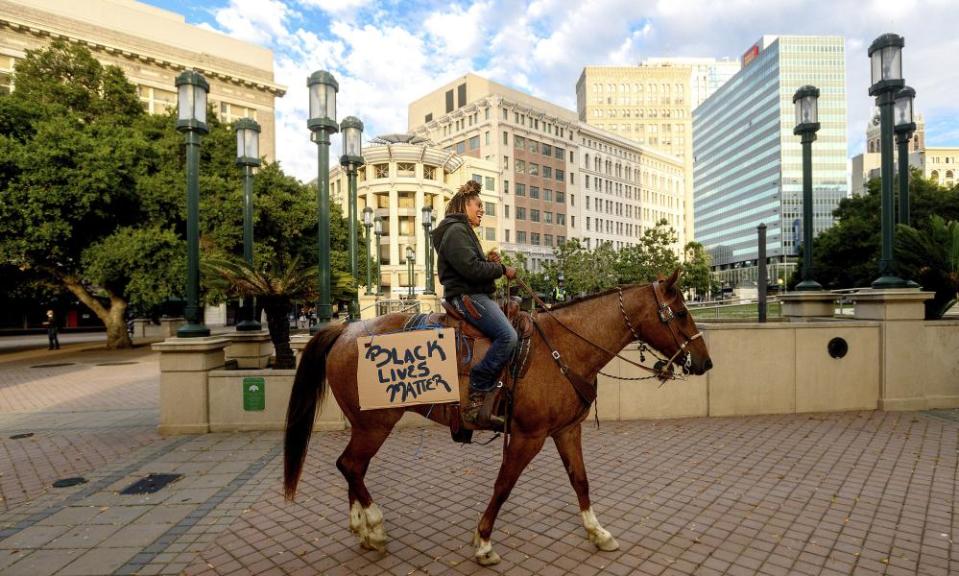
674,333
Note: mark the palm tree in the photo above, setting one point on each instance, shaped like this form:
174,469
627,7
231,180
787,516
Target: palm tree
276,286
930,256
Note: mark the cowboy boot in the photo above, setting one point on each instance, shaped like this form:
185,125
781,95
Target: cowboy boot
472,413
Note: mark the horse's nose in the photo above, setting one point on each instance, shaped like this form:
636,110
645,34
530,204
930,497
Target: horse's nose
707,364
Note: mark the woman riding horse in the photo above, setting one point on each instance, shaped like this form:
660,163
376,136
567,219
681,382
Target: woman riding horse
467,277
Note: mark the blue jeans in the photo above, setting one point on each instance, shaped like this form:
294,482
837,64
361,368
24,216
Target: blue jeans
496,326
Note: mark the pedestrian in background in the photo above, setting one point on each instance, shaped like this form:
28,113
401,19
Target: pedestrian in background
52,330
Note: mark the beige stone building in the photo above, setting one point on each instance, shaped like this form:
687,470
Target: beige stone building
940,164
539,150
403,173
866,166
151,46
649,104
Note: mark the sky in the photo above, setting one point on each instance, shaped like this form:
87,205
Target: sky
388,53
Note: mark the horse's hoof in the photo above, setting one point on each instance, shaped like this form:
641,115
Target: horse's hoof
488,559
604,542
485,556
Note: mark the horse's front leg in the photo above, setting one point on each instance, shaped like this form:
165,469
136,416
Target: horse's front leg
569,443
519,453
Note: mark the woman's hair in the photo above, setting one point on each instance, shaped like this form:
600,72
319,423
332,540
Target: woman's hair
457,204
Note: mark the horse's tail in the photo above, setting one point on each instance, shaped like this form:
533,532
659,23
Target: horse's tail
308,389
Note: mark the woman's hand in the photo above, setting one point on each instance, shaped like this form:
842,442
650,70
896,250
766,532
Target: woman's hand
493,256
510,272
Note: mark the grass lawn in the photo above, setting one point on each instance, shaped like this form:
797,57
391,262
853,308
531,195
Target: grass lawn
736,312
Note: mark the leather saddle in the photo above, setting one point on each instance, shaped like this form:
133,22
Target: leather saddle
471,347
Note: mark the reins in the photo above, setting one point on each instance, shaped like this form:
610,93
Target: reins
662,371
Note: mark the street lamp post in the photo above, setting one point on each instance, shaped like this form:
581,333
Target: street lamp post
885,55
192,88
427,217
368,224
806,100
378,231
248,156
905,126
410,259
322,122
352,159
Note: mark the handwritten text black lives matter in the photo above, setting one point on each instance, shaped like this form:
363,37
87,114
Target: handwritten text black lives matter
406,372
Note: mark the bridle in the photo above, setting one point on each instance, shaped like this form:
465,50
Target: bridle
666,316
663,368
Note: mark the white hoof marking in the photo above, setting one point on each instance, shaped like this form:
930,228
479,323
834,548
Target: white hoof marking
598,535
485,555
367,524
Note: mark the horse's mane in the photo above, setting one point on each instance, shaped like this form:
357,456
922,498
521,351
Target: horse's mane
594,295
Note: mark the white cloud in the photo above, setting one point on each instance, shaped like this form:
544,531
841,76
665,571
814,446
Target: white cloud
384,59
256,21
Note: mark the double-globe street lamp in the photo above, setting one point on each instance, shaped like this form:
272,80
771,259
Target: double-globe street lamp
322,122
248,156
806,101
427,217
192,89
352,130
885,55
905,127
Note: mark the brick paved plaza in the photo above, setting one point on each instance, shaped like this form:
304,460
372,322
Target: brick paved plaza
845,493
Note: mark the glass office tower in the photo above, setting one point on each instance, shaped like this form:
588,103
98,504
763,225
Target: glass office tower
747,162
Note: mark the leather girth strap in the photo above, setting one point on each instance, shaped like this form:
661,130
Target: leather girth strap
584,388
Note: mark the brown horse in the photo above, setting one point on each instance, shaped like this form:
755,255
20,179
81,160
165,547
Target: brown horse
586,333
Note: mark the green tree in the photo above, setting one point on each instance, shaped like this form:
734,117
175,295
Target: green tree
930,255
68,180
696,273
847,254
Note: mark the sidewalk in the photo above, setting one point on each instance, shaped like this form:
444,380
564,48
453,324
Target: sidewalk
850,493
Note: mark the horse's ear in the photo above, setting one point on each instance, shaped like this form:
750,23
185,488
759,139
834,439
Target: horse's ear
671,281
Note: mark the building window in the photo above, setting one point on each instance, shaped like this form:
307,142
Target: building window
520,237
533,169
547,172
489,208
505,162
486,114
506,232
428,118
587,223
534,146
506,117
560,240
572,178
490,184
534,191
533,215
561,218
560,197
519,142
491,234
560,175
548,239
587,182
520,189
548,195
405,169
520,167
461,147
381,170
548,217
487,138
534,238
546,149
461,95
572,221
449,101
506,211
478,179
474,143
520,213
429,172
505,138
154,100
